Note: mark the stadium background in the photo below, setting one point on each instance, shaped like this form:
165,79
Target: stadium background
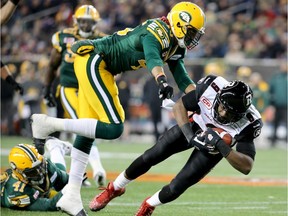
239,33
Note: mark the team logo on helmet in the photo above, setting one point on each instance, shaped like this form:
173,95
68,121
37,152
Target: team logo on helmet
184,16
248,99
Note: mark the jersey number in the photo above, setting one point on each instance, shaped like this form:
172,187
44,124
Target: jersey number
19,186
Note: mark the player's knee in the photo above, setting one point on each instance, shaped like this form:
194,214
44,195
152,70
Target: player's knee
167,194
109,131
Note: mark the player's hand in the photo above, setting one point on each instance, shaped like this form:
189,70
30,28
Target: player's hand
212,137
199,142
15,84
48,97
213,140
165,91
82,47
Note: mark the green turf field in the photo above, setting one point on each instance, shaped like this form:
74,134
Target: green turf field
257,195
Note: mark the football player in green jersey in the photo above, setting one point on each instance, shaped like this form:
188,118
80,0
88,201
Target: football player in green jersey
33,182
151,44
85,21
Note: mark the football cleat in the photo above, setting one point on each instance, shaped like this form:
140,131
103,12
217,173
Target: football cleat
102,199
42,126
71,203
145,209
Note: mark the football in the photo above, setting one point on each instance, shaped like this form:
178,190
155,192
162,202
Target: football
224,135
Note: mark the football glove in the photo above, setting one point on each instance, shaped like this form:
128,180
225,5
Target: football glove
82,47
213,139
48,97
165,91
9,79
199,143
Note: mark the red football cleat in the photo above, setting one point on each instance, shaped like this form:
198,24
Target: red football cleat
145,209
102,199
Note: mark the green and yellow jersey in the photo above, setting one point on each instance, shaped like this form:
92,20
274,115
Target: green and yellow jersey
148,45
62,41
18,195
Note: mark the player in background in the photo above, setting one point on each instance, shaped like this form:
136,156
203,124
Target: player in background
85,21
33,182
6,12
151,44
215,103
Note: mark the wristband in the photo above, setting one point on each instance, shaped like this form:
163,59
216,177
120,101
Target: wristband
15,2
161,79
187,131
223,148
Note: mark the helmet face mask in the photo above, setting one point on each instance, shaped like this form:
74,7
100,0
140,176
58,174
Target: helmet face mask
233,100
86,18
27,164
187,22
192,37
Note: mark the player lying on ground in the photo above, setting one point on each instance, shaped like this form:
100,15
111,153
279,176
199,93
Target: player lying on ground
33,182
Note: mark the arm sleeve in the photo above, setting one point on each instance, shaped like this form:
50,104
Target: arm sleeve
190,101
152,50
245,140
180,74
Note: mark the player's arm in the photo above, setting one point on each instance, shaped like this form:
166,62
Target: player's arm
242,158
241,162
7,76
7,10
45,204
152,50
54,63
180,110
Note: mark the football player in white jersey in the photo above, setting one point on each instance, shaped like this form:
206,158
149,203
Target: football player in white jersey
216,102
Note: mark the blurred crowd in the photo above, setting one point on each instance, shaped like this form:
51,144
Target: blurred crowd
235,30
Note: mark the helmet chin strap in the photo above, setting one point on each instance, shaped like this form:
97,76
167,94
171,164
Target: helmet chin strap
85,34
181,42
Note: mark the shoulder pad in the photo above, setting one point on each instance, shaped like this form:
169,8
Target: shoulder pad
4,176
161,32
56,41
69,31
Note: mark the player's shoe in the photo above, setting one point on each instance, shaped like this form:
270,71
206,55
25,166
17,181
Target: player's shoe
52,142
145,209
71,203
102,199
100,178
42,126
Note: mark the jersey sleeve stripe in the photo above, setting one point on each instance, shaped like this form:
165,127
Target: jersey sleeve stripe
157,37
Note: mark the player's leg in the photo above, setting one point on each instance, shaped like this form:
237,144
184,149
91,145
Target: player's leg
69,99
171,142
99,104
198,165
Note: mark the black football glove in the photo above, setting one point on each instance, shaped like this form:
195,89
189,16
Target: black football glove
48,97
165,91
213,139
14,84
199,143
